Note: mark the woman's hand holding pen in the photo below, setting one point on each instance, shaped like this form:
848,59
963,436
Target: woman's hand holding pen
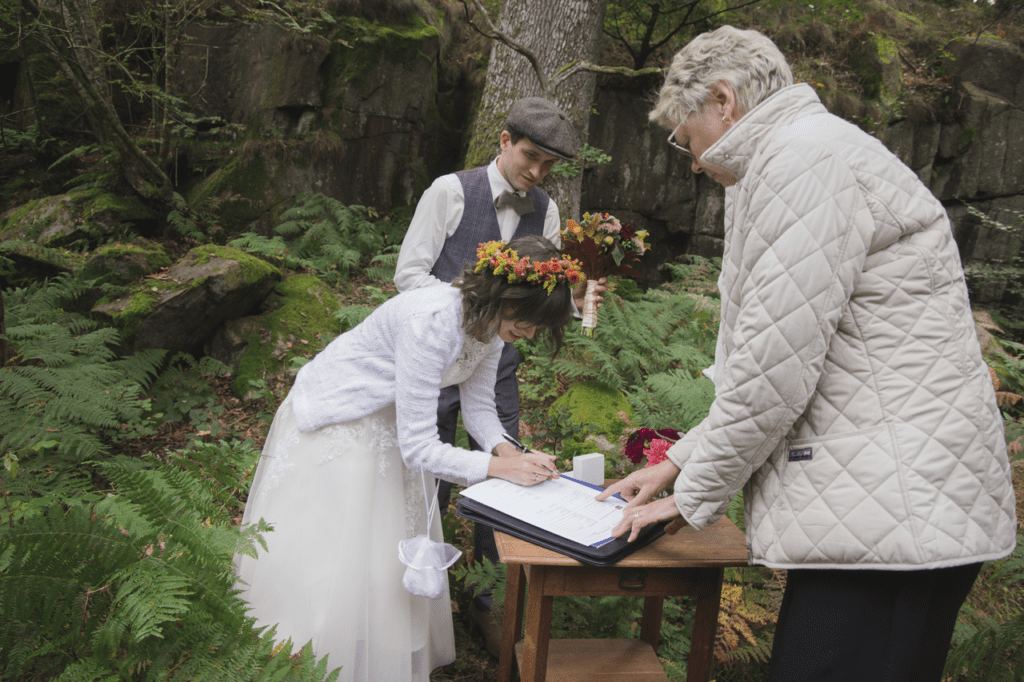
520,465
523,468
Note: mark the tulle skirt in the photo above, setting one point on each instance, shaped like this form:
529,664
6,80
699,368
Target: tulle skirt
340,500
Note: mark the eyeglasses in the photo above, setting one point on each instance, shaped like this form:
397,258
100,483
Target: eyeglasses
672,141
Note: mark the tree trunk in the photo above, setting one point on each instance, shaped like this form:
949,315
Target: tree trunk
557,32
30,86
75,46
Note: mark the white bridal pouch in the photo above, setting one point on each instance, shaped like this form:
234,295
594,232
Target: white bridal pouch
427,561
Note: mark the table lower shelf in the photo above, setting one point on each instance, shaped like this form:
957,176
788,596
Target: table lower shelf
594,660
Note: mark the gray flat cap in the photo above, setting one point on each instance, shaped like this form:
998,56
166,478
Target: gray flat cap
545,125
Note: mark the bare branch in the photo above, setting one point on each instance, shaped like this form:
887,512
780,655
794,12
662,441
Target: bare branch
618,35
579,65
728,9
499,35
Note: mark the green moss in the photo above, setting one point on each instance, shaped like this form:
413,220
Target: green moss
141,305
485,137
250,181
598,404
123,208
363,45
292,330
154,254
877,52
251,271
17,217
887,49
966,137
133,255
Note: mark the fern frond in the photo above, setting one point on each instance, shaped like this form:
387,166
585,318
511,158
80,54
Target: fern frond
34,250
382,267
88,670
992,648
185,226
68,386
49,583
140,368
676,398
138,584
149,595
73,154
223,471
323,235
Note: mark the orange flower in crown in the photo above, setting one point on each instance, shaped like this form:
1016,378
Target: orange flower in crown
503,261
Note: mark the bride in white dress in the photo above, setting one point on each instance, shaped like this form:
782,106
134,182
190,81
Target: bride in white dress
353,451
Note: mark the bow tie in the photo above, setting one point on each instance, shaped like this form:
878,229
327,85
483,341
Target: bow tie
520,204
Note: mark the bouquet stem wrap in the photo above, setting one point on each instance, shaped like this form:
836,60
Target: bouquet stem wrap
590,308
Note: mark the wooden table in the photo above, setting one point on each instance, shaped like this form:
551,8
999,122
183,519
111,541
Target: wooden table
689,563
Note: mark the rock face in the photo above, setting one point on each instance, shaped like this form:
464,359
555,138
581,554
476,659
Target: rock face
358,119
973,156
350,118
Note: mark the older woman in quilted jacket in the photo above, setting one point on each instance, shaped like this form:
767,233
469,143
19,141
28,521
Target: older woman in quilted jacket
852,404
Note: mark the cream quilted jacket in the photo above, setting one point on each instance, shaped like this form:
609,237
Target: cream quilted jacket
852,401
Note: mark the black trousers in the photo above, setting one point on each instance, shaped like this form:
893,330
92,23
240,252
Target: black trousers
506,399
868,625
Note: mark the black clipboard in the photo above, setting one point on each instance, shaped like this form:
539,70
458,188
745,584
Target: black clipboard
603,554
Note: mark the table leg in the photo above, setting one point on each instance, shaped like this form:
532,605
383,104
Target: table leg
650,622
512,621
538,628
705,624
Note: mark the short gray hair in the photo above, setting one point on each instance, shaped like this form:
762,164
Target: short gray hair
747,60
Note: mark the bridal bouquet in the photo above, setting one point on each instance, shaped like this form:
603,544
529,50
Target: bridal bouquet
604,246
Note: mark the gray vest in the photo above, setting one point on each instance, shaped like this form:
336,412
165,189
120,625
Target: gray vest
480,224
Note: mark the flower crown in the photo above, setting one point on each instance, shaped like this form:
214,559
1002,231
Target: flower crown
497,258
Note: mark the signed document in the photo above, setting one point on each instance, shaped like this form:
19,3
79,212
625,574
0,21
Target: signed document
563,506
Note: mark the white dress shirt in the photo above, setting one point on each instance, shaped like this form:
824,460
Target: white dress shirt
437,216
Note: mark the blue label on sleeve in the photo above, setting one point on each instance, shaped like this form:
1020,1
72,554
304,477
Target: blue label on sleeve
801,455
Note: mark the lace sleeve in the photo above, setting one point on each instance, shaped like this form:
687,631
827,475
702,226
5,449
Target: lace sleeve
425,346
478,408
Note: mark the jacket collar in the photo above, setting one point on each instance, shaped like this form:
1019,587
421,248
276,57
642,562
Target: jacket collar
735,150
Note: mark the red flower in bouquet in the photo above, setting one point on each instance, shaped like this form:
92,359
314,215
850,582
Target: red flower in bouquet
652,443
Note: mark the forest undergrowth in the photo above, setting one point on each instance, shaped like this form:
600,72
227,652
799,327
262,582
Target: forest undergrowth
119,519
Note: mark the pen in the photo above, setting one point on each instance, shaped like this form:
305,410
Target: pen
510,439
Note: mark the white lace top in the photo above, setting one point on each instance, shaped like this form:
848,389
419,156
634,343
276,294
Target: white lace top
404,352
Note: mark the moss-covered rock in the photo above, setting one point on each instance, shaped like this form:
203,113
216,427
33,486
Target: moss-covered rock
598,406
179,310
296,327
238,193
365,44
877,63
125,263
66,218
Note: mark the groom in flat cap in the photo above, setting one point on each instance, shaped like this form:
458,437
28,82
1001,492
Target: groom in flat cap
456,213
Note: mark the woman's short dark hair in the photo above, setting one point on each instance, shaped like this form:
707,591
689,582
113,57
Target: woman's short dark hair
488,298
